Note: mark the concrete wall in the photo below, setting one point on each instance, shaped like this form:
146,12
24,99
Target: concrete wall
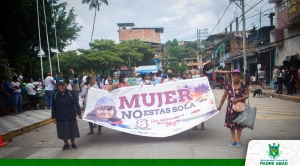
143,34
291,46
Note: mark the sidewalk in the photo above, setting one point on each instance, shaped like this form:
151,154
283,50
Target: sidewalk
267,92
13,125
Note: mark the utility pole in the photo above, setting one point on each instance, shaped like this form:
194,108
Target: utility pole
244,31
218,20
54,17
260,19
244,37
47,37
201,33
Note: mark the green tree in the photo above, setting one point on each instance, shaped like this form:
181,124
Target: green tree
20,32
105,54
183,67
140,47
94,4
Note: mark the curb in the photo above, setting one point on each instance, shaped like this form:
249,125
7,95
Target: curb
26,129
280,96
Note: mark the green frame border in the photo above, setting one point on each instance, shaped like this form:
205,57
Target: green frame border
124,162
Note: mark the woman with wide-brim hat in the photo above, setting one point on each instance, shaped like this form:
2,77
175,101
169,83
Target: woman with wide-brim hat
241,91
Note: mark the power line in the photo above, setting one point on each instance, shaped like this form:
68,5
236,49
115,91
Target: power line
222,4
192,28
220,19
261,12
240,16
250,6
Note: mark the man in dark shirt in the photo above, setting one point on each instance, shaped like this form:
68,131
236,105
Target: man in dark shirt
295,76
247,78
288,78
8,95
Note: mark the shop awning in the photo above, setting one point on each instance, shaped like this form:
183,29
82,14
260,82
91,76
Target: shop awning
146,69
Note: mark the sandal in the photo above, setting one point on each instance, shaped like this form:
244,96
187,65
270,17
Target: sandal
194,128
99,133
90,133
238,144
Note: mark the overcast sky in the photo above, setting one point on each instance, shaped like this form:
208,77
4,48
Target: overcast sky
179,18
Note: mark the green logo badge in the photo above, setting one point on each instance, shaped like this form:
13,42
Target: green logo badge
274,151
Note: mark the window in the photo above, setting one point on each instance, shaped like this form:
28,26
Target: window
282,6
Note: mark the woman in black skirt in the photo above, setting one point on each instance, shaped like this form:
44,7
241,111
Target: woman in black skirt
65,108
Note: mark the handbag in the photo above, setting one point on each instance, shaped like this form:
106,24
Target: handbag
239,106
247,117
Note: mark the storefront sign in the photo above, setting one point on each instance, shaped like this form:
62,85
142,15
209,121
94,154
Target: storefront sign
153,111
251,61
293,6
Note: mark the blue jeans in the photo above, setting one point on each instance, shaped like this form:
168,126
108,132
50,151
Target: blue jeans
275,85
49,94
288,87
18,100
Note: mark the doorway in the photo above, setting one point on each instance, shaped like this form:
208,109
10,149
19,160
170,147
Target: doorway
252,69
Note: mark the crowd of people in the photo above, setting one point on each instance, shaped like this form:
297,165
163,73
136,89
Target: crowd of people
281,75
63,94
67,128
12,90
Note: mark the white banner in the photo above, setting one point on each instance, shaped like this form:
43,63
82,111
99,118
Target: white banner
154,111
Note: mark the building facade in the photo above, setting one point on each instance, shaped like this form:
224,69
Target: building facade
286,36
151,36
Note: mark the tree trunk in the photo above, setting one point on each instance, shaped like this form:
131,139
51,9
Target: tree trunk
94,24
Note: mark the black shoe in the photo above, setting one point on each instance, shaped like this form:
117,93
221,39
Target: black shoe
66,147
74,147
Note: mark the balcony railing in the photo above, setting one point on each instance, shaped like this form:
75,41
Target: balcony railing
282,6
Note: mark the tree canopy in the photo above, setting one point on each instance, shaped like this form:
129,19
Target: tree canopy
174,53
104,55
19,31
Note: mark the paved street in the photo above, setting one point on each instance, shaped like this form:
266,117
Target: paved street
276,119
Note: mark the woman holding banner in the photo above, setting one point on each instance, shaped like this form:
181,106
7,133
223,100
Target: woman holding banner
187,76
237,91
64,111
90,83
